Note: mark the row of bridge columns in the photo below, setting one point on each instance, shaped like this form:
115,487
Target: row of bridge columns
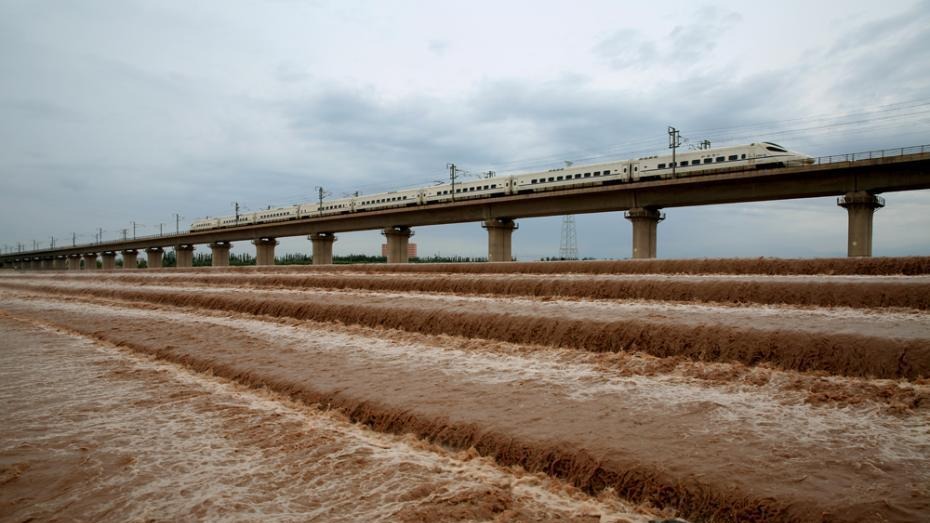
860,207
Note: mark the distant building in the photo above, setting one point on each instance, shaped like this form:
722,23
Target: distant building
411,250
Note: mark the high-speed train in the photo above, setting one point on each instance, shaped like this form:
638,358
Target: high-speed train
687,163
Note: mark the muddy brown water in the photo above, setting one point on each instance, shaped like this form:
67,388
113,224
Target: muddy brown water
697,433
856,343
854,291
89,432
912,265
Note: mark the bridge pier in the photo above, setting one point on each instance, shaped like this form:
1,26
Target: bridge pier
398,238
184,256
108,260
220,254
153,257
60,263
90,261
645,224
860,207
45,264
74,262
264,250
500,231
130,259
322,247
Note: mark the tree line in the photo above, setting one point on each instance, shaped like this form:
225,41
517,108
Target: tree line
203,259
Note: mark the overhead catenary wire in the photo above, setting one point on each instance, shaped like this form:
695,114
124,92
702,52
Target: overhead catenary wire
646,146
886,117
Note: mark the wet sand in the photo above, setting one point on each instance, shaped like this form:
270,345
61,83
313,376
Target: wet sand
705,436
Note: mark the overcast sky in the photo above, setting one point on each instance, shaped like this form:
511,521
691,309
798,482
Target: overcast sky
121,111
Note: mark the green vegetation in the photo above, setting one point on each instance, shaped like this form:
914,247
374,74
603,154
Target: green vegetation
202,259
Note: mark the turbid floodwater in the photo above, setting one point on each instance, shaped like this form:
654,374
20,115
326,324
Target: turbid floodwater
469,393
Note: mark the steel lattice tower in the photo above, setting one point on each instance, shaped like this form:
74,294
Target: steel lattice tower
568,250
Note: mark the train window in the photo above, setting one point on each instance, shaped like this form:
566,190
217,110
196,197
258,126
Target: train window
587,175
595,174
606,172
720,159
624,169
578,176
551,179
558,178
744,157
533,181
708,160
733,157
494,186
660,166
636,168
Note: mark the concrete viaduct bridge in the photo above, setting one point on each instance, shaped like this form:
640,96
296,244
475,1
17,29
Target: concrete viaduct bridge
856,179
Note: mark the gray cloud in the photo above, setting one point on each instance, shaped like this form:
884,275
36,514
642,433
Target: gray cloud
684,45
439,47
878,56
96,138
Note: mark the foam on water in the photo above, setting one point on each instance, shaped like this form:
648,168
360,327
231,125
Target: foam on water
900,324
765,413
135,438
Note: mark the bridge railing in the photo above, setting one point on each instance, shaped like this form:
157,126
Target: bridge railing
836,158
95,244
868,155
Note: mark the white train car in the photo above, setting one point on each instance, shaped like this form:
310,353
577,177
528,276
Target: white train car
573,176
276,214
686,163
388,200
208,223
758,155
466,190
205,224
